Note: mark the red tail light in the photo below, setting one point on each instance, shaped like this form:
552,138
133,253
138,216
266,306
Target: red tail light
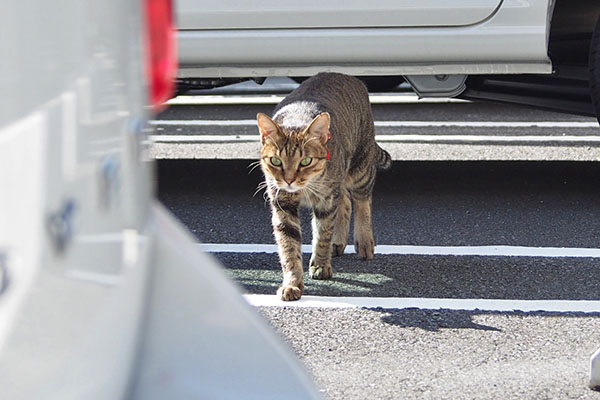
161,51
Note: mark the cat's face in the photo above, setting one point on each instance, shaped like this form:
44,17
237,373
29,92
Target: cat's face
293,157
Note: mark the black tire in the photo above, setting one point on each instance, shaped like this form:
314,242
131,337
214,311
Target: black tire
594,67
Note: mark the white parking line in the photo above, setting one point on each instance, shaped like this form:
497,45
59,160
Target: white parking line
393,139
488,124
401,124
201,122
273,99
500,305
484,251
203,138
487,138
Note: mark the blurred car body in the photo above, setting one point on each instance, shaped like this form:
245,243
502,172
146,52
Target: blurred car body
102,294
533,52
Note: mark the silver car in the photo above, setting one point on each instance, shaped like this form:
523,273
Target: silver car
542,53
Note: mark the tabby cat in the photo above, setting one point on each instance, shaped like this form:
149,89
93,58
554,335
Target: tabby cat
319,151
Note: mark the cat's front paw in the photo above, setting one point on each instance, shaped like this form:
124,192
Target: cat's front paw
320,272
365,249
289,293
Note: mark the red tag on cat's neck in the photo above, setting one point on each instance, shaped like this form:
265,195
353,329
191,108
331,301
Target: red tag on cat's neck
328,138
327,147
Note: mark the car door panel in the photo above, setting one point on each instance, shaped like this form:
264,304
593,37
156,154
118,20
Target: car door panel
214,14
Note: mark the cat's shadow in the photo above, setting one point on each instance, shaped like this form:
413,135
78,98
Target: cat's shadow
436,320
432,320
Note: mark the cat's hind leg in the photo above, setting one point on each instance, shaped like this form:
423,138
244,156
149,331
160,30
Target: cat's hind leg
364,242
342,225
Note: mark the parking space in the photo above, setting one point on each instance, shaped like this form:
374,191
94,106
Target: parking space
485,283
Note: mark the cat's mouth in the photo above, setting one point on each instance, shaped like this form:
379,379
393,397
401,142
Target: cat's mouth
290,188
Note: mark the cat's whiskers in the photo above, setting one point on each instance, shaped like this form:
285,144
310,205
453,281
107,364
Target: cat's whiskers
277,200
316,190
321,183
261,186
307,191
253,166
310,196
306,197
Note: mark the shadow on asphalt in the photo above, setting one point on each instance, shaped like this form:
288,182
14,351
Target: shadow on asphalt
547,204
462,277
433,320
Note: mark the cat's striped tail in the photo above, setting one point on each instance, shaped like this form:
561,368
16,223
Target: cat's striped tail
384,160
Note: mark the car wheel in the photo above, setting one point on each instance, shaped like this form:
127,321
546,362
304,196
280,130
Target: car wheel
594,66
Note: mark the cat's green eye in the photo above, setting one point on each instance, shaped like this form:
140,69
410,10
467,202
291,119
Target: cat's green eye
305,161
276,161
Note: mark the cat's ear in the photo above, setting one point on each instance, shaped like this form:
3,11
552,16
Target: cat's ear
319,127
266,126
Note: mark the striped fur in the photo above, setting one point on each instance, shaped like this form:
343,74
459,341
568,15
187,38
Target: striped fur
329,114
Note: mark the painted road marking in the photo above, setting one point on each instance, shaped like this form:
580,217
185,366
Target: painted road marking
202,138
486,251
275,99
401,124
392,138
398,138
500,305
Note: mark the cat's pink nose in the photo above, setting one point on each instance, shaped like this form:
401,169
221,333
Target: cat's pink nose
290,181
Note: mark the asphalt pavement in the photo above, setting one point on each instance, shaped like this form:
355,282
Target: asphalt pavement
222,124
423,353
515,243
